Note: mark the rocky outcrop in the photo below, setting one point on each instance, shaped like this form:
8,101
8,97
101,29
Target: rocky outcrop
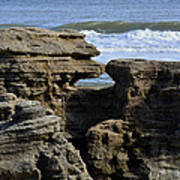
39,64
130,131
143,142
32,145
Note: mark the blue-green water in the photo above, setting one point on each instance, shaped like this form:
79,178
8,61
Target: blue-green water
51,13
119,28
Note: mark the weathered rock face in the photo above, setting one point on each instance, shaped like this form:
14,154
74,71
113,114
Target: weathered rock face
87,107
35,41
144,144
109,147
40,64
132,129
32,145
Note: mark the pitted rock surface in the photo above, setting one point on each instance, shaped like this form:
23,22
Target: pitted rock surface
32,145
147,97
43,65
37,41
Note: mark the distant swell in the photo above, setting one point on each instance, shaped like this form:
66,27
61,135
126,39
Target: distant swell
120,27
109,27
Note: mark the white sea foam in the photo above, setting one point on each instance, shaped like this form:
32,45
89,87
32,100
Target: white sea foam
147,44
158,45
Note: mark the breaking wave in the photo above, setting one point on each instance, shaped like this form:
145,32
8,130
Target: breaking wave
108,27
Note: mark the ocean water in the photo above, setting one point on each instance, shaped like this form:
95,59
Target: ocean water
147,29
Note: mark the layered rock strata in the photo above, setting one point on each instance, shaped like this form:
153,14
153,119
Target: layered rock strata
32,145
143,143
131,130
40,64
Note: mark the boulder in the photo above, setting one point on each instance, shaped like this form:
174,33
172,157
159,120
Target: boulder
110,146
32,144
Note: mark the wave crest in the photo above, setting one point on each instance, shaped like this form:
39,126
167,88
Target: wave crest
120,27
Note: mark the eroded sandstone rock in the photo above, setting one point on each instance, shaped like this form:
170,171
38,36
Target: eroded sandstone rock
40,64
35,41
110,145
133,128
143,143
32,145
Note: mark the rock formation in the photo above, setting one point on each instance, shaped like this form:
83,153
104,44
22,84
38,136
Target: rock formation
40,64
130,131
37,64
143,142
32,145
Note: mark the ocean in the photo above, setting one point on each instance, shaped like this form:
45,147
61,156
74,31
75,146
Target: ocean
148,29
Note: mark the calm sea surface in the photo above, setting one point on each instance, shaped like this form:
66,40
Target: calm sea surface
50,13
119,28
